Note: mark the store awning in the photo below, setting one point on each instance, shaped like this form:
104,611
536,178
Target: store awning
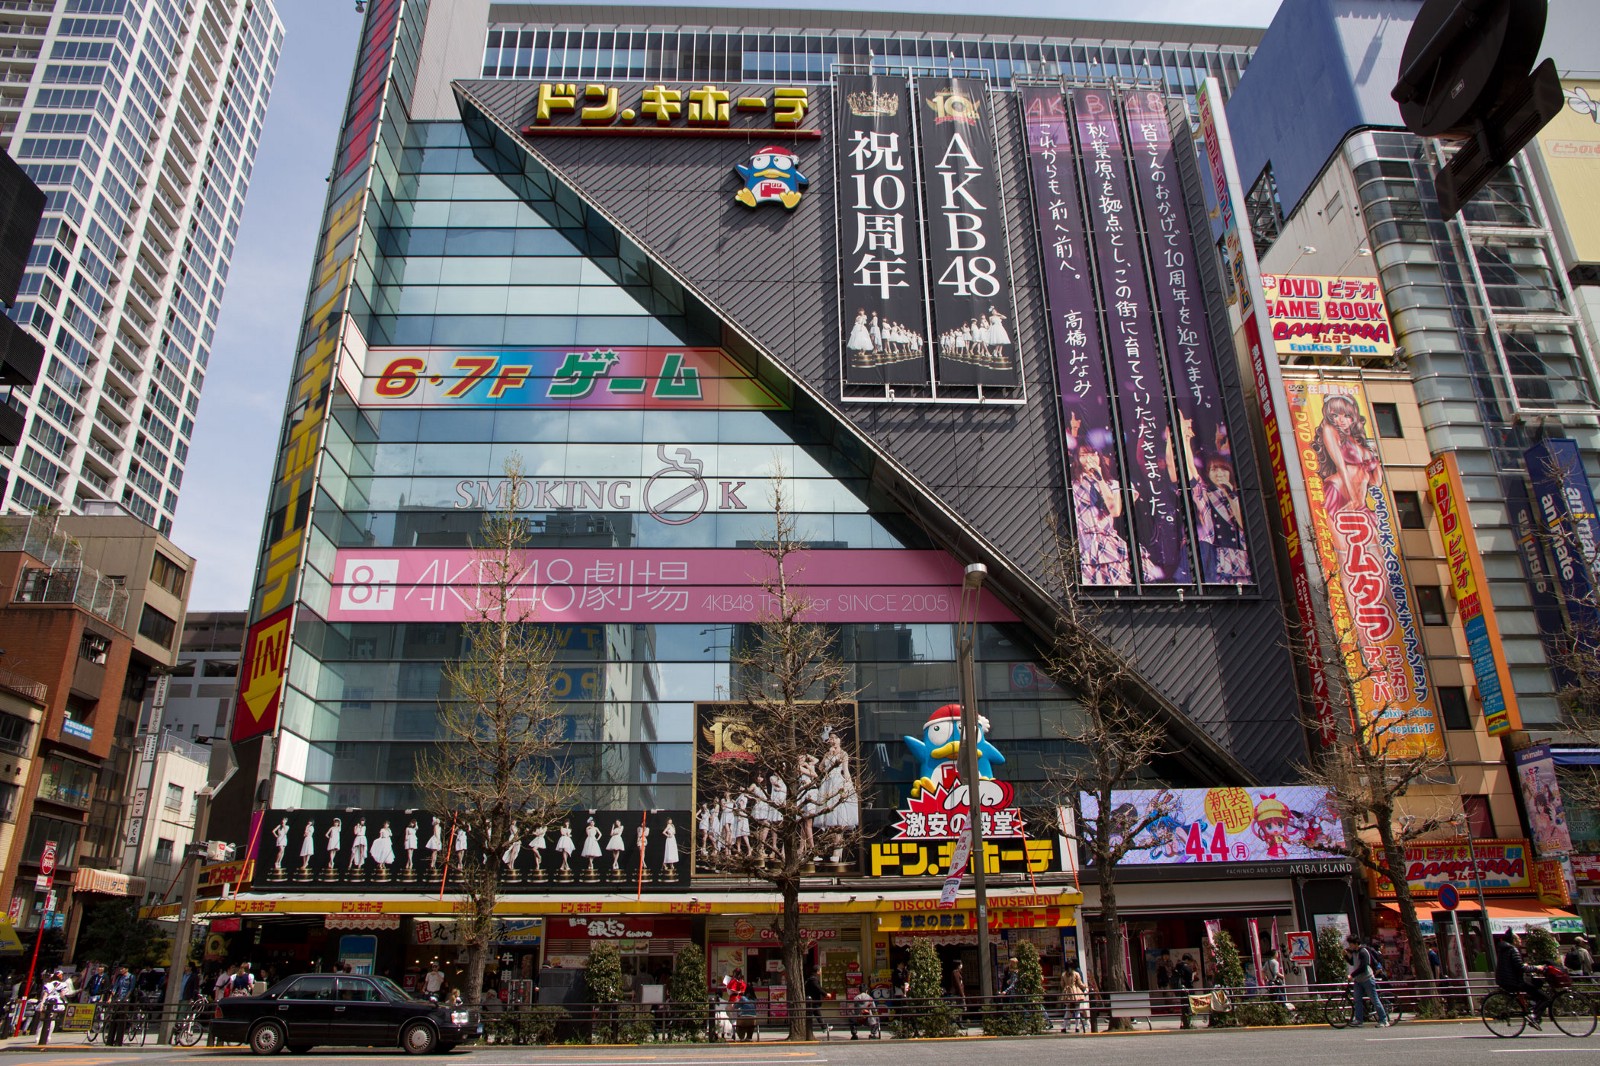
1504,915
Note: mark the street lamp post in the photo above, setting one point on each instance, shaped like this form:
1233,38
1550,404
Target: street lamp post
966,633
1477,884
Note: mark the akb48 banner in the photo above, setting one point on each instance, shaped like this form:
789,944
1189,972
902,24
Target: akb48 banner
1369,599
967,262
885,330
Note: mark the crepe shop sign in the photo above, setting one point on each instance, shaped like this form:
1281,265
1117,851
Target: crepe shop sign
1501,866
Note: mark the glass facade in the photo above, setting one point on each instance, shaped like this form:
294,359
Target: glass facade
443,236
141,126
458,250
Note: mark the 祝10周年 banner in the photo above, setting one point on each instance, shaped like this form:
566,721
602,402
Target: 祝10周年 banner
1368,598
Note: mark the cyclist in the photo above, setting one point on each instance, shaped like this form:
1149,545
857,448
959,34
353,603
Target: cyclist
1516,977
1362,975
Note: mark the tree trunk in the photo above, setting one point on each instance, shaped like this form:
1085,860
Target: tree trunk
794,962
1394,859
477,962
1115,946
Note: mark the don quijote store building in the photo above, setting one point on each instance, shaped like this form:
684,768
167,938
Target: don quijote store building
954,283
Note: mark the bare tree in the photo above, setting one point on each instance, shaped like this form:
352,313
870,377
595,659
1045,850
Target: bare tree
1117,735
785,750
1368,768
495,771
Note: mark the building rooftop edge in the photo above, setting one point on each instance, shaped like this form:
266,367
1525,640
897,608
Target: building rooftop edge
739,18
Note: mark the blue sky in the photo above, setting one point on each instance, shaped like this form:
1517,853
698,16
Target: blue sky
225,487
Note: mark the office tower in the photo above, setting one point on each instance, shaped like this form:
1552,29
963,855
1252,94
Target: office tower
140,120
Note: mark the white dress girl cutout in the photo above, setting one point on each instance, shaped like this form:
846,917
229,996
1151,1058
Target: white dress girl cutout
741,823
332,846
308,844
358,845
280,840
615,845
383,847
591,843
435,844
410,842
860,341
642,842
564,845
726,823
997,329
708,828
669,854
537,846
513,849
461,845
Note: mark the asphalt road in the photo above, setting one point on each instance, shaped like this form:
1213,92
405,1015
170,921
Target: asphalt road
1414,1044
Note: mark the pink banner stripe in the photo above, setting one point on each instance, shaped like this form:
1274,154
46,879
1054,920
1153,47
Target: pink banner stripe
652,585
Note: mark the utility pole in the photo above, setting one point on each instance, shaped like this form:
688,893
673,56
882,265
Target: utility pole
966,634
179,963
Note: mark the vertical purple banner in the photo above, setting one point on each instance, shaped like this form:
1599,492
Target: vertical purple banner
1207,456
1091,441
1155,496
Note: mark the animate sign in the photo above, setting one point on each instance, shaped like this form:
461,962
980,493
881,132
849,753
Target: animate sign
634,108
1315,314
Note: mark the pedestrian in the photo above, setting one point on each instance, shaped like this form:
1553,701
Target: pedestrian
433,980
52,1003
1074,999
191,983
901,987
222,987
1275,981
864,1012
1435,964
1183,985
1363,982
746,1023
1579,960
244,982
958,990
815,994
119,995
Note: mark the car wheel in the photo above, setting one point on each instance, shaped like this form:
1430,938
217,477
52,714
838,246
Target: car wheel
418,1038
267,1038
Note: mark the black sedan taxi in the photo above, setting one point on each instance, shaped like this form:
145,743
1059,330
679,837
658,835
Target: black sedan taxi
318,1009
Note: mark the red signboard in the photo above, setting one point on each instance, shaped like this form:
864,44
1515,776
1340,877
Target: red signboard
261,676
47,867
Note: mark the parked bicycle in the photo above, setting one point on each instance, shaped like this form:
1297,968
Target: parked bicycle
193,1021
1507,1014
1339,1006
